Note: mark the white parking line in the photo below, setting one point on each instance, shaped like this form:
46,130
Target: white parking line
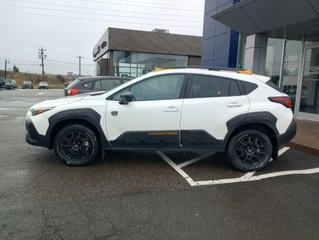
184,164
245,178
178,169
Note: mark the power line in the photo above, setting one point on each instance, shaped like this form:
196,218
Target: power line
95,20
143,3
79,12
103,9
24,62
62,62
134,5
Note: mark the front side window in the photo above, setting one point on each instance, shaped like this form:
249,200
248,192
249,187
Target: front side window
211,86
156,88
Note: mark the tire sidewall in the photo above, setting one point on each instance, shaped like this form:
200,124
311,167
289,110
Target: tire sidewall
243,166
88,132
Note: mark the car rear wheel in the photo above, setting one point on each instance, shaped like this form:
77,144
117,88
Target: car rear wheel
76,145
249,150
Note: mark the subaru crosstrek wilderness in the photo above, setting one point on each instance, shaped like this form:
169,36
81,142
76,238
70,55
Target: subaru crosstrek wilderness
244,115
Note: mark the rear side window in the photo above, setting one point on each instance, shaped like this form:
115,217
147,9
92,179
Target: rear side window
89,85
211,86
234,88
97,85
110,84
248,86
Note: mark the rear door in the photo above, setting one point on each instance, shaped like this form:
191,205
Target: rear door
211,101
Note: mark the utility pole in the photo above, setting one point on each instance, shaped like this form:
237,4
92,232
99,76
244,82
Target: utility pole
42,56
79,57
5,68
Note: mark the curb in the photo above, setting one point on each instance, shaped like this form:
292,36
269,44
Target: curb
304,148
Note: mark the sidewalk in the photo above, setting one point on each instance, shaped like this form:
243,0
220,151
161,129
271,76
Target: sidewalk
307,137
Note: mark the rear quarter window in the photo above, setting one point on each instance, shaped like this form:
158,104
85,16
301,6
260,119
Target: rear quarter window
273,85
73,83
249,87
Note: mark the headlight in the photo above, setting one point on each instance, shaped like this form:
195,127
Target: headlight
37,111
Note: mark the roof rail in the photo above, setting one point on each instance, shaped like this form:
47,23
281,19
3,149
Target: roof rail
206,67
238,70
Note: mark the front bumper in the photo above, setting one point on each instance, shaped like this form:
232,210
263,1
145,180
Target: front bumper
34,138
288,135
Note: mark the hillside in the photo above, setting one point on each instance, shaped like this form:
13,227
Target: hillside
55,81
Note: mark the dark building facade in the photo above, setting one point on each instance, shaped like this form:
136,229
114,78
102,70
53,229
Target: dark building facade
123,52
220,42
278,38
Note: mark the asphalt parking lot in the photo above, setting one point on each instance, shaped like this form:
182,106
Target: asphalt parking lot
148,195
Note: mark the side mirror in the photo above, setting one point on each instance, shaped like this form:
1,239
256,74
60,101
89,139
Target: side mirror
126,98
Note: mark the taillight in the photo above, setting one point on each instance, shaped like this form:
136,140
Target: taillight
286,101
73,91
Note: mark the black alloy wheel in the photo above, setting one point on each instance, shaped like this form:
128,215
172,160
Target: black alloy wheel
249,150
76,145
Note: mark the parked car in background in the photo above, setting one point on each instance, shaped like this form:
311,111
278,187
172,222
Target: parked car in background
1,83
27,84
10,84
67,83
43,85
93,84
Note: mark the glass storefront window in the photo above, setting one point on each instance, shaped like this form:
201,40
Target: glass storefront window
274,58
135,64
291,69
309,99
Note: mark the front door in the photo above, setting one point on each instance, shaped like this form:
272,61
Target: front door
308,94
152,119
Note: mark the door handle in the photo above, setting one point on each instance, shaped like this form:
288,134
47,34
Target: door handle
234,104
171,109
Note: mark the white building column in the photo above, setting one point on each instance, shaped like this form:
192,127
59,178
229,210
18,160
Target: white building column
255,53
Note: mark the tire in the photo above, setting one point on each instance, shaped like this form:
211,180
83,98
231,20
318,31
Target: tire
249,150
76,145
11,87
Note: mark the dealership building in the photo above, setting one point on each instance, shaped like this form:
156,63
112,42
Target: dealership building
123,52
277,38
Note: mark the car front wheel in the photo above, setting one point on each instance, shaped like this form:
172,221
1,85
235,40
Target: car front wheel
76,145
249,150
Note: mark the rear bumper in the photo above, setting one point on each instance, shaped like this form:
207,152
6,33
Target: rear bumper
34,138
289,134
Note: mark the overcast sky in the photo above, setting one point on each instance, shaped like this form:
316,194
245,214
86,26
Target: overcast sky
67,29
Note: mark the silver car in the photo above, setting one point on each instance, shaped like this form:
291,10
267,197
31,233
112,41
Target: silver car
43,85
10,84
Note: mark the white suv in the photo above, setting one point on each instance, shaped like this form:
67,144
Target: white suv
244,115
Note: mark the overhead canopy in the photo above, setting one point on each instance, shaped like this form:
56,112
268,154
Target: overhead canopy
255,16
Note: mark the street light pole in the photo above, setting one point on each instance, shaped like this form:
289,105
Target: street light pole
79,57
